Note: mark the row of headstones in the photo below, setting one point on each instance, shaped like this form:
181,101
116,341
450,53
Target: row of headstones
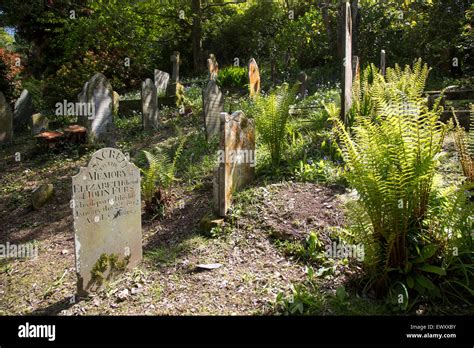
23,116
151,91
106,202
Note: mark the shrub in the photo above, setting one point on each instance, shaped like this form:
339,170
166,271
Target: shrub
232,77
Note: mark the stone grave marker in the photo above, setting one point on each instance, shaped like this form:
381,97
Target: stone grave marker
23,110
355,68
303,78
161,81
382,62
6,121
236,158
213,105
149,105
107,218
254,78
98,91
212,66
39,123
346,100
171,89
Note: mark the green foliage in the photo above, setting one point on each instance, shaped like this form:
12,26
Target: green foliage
233,77
373,90
392,161
465,146
271,114
159,176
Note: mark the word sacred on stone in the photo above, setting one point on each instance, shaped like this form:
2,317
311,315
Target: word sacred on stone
107,218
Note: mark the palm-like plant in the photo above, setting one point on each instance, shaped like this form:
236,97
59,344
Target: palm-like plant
465,146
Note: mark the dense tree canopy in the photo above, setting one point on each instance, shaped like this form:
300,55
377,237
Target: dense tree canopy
62,42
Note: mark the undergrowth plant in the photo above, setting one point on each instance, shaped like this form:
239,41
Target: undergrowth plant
158,177
391,160
271,114
465,146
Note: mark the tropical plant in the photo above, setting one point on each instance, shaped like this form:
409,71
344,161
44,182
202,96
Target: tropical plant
271,114
158,177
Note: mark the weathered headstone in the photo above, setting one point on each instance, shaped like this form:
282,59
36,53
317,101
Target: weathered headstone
161,81
236,166
355,68
254,78
303,78
41,195
107,218
116,102
6,121
382,62
347,64
212,66
39,123
149,105
98,91
171,89
212,106
23,110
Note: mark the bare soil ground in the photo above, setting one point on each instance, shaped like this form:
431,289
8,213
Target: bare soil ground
254,270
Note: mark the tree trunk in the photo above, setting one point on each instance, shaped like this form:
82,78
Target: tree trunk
197,35
355,27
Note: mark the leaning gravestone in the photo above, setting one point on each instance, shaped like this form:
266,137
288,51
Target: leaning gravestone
161,81
236,166
149,105
107,218
23,110
347,66
213,105
6,121
98,91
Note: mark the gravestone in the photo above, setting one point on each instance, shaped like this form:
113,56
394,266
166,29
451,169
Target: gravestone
212,66
236,166
347,64
302,78
39,123
6,121
355,68
171,89
98,91
382,62
107,218
23,110
254,78
149,105
212,106
116,103
161,81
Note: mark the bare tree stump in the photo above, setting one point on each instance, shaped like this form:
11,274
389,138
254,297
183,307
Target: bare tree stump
49,139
